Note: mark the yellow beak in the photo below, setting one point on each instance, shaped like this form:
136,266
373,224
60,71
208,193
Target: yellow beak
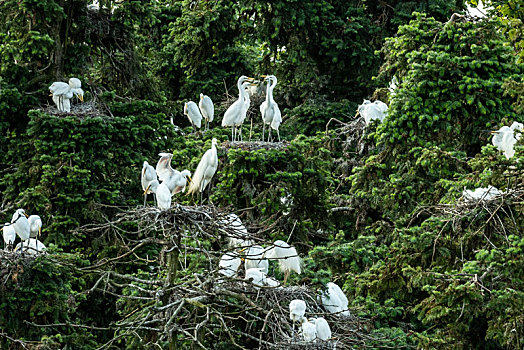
39,232
147,189
81,98
50,94
190,180
26,215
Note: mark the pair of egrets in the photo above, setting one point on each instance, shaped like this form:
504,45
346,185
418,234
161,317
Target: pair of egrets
28,228
205,109
370,111
236,113
312,328
174,181
62,93
506,137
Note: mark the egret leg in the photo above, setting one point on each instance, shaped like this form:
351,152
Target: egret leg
286,275
263,130
278,133
232,137
145,199
269,137
240,131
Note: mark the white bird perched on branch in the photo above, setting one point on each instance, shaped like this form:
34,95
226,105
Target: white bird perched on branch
33,246
175,180
506,137
260,279
255,259
288,259
323,329
229,264
35,226
207,109
21,224
334,300
192,112
148,174
238,239
269,108
205,170
237,111
377,110
482,194
309,330
162,194
9,234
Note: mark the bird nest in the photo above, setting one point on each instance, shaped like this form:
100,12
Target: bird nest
255,145
80,110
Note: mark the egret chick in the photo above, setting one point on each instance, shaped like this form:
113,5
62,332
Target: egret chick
288,259
323,329
162,194
21,225
229,264
309,330
233,222
148,174
334,300
35,226
206,109
297,310
175,180
192,112
205,170
9,234
33,246
260,279
269,109
255,259
373,111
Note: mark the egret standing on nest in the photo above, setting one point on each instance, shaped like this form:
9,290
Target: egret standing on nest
255,259
35,226
205,170
21,225
237,111
148,174
269,108
247,103
192,112
162,194
229,264
334,300
323,329
174,179
9,235
297,310
33,246
207,109
61,93
288,259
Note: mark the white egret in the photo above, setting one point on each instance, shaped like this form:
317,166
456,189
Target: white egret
255,259
207,109
247,104
174,179
506,137
481,194
94,7
61,93
288,259
21,224
393,85
33,246
373,110
35,226
323,329
309,330
238,238
334,300
205,170
192,112
162,194
269,108
237,111
229,264
9,235
148,174
260,279
297,310
75,84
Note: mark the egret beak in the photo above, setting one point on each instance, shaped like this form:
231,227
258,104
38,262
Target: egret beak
39,232
81,98
189,177
263,76
147,189
51,94
26,215
493,132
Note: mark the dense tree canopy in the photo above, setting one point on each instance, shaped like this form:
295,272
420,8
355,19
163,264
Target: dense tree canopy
380,209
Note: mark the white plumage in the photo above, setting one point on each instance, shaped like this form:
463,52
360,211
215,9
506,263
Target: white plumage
506,137
61,95
205,170
35,226
237,111
21,224
175,180
309,330
162,194
9,234
148,174
334,300
287,256
76,88
254,258
192,112
297,310
33,246
482,193
207,109
323,329
247,104
238,237
373,111
229,264
260,279
269,109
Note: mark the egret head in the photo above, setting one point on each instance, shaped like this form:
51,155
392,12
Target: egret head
201,96
153,185
75,83
214,142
